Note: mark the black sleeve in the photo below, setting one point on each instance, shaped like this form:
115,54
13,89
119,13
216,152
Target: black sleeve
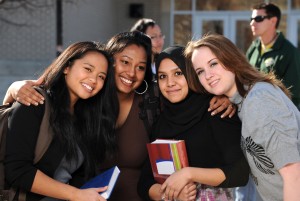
227,134
146,180
23,128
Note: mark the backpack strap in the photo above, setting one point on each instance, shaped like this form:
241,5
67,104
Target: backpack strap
4,111
150,106
44,139
45,134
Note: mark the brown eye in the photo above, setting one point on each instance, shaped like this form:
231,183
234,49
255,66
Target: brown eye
178,73
199,72
88,69
141,68
124,62
102,77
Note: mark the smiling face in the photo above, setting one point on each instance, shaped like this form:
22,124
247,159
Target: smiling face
212,74
130,68
85,78
172,82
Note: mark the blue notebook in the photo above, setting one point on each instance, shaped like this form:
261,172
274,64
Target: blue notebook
107,178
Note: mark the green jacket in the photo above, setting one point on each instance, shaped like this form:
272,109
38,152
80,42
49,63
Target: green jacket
283,58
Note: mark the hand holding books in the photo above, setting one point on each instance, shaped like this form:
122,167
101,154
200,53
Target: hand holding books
166,157
107,178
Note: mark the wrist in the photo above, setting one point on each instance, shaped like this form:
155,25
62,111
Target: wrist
74,193
189,173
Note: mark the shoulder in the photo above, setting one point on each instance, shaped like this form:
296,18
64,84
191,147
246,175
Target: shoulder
262,94
286,44
224,125
268,103
263,90
217,118
24,112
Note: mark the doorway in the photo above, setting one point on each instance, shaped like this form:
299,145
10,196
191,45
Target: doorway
234,25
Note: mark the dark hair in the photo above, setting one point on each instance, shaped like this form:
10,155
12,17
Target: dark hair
92,127
233,60
143,24
122,40
271,10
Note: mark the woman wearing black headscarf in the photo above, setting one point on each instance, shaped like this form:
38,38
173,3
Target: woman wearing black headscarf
213,143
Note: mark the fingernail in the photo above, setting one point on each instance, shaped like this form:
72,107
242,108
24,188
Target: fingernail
42,102
213,113
222,116
35,103
209,109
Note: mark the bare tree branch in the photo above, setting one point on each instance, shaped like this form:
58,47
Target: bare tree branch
9,6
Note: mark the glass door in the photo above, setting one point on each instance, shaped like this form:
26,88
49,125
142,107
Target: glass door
241,33
233,25
210,22
293,30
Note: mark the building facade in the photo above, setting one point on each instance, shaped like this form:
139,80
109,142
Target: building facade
32,31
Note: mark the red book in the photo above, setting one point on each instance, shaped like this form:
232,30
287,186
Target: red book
166,157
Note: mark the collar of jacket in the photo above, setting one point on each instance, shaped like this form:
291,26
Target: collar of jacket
277,45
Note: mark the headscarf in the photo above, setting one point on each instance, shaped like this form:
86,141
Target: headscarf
177,118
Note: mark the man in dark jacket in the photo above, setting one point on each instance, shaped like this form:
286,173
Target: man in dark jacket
271,51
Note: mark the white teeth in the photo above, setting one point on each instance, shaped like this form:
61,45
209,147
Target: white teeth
87,86
126,80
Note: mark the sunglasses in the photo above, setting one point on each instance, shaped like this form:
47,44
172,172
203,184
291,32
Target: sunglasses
260,18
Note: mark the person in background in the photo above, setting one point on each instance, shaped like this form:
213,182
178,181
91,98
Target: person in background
216,161
270,120
151,29
132,59
271,51
83,113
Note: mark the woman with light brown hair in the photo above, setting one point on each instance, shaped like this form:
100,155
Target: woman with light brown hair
270,121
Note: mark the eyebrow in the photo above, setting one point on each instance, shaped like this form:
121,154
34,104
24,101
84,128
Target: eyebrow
144,62
103,73
174,69
126,56
94,67
211,60
207,63
89,64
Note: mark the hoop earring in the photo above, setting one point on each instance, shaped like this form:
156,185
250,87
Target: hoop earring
144,90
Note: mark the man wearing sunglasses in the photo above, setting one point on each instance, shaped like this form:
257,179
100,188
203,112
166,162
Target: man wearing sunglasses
271,51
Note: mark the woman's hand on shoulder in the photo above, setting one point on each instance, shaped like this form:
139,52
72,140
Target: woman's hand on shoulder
90,194
24,92
220,103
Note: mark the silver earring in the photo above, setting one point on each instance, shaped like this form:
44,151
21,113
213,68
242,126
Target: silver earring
144,90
